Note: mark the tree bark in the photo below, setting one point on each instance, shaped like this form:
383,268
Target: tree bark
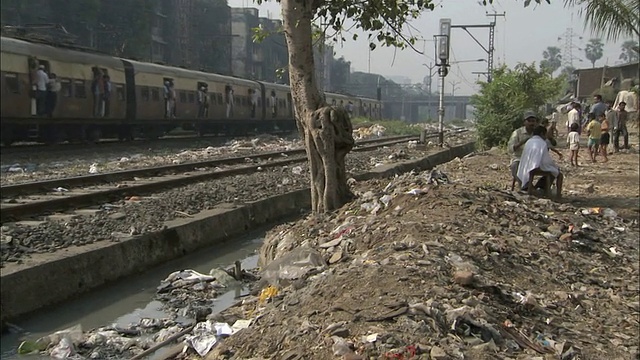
327,131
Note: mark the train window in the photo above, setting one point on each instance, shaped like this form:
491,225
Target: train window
79,89
65,87
155,94
11,83
144,93
219,98
120,92
183,97
243,101
192,98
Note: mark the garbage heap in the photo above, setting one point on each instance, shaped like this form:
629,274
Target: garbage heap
367,132
420,267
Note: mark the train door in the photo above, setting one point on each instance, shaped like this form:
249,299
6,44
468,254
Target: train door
263,103
130,91
289,106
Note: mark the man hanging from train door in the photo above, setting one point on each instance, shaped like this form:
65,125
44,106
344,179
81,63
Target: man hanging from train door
228,98
167,109
206,101
106,95
53,87
201,101
96,90
273,104
42,79
254,102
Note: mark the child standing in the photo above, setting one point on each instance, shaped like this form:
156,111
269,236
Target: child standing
593,129
604,137
573,139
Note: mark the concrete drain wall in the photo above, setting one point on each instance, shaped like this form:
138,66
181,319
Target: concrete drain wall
52,278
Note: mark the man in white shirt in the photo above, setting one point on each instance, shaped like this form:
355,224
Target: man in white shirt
535,155
518,138
42,79
573,116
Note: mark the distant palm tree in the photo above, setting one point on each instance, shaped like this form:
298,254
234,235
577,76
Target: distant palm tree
593,51
552,59
629,51
611,19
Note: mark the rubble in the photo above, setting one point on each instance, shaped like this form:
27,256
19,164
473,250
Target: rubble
441,264
433,267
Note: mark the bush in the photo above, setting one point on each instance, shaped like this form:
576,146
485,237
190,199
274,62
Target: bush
501,104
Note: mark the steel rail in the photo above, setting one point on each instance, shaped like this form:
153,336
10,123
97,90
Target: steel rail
90,197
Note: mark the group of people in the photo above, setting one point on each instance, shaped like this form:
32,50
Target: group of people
531,144
603,124
46,88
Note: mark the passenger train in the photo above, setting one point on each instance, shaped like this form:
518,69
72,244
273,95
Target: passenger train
136,105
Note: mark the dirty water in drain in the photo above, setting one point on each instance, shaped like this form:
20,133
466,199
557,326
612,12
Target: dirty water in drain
131,299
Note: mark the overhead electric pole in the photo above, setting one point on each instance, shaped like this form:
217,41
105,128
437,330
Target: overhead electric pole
492,48
453,87
491,26
429,78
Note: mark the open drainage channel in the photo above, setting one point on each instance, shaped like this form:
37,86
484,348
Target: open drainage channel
132,298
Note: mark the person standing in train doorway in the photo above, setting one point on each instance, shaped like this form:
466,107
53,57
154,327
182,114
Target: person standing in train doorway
167,110
274,104
106,95
201,101
42,80
172,100
228,98
254,102
53,87
96,90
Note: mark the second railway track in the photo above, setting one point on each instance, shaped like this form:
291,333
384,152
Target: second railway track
28,200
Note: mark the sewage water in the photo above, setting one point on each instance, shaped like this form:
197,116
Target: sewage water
131,299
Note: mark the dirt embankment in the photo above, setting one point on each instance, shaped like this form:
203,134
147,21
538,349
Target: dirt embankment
428,266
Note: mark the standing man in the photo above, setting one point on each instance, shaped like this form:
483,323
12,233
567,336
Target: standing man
42,80
620,128
573,117
598,106
612,120
517,140
53,88
106,95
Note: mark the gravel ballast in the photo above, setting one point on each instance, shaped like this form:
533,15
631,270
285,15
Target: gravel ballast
124,218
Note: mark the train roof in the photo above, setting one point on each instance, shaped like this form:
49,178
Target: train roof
36,49
169,71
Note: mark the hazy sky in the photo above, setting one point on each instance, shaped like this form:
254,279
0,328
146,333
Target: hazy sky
520,37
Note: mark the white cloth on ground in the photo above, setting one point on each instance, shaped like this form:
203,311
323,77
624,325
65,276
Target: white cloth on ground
535,155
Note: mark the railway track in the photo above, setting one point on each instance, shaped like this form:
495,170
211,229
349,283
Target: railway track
28,200
31,148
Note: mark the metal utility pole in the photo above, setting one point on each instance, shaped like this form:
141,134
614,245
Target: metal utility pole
491,48
431,67
492,31
443,44
453,87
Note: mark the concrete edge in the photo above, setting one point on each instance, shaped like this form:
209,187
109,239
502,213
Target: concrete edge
67,274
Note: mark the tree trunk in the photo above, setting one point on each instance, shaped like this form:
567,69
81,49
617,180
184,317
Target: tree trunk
327,131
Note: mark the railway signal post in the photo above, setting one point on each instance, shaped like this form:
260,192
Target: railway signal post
442,49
